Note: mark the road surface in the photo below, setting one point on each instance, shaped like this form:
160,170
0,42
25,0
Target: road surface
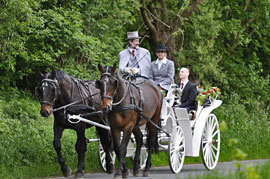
188,171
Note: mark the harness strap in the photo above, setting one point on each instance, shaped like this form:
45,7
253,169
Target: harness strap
80,90
123,108
75,102
149,120
46,102
134,107
125,94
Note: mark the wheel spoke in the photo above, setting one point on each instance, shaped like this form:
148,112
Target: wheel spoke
211,157
204,148
213,135
213,128
205,141
213,154
207,157
214,147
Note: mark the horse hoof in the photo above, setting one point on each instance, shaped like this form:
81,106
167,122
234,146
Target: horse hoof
146,173
136,173
125,174
79,175
117,176
110,168
66,171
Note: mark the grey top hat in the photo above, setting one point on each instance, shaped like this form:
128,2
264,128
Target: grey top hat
133,35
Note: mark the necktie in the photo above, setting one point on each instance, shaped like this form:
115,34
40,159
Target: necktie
182,85
133,53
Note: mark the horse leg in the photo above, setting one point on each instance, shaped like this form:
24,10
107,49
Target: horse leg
58,131
107,144
151,140
121,152
139,141
80,149
116,145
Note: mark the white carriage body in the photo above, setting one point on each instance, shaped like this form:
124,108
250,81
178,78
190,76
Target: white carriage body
193,129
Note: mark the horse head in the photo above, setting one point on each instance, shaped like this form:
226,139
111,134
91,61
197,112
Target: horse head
107,84
48,92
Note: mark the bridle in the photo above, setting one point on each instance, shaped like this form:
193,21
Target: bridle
55,84
106,76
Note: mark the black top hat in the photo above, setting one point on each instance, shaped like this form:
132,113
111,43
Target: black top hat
161,48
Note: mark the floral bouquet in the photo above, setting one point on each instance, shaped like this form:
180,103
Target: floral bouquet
207,95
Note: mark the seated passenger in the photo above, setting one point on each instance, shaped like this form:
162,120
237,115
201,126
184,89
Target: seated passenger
162,70
188,90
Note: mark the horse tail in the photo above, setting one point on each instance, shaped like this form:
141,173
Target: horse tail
156,146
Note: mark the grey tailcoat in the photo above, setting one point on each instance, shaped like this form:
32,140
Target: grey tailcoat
163,76
143,58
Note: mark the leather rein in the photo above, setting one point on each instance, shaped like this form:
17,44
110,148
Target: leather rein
55,84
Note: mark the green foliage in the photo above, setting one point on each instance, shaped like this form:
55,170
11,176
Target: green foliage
73,36
250,172
243,137
26,140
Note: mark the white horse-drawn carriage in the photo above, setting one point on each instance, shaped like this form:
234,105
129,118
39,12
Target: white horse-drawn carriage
188,134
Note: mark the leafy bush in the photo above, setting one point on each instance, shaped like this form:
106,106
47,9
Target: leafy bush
26,140
244,129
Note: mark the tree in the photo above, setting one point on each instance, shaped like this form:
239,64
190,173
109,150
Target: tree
163,19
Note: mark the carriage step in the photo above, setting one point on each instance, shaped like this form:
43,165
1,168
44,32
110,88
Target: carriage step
91,140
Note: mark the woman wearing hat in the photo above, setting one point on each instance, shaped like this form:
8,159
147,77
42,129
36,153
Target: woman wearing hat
162,70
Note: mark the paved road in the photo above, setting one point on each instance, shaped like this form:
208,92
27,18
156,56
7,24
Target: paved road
188,171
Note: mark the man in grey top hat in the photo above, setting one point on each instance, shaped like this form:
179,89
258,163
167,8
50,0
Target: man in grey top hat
134,59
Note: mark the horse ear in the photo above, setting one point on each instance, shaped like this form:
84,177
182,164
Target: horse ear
53,74
116,84
37,91
100,67
114,67
97,84
41,74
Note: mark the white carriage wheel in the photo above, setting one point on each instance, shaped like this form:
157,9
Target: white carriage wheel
143,157
176,149
210,145
102,155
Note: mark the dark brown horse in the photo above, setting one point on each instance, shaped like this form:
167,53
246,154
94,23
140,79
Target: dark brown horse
128,106
57,90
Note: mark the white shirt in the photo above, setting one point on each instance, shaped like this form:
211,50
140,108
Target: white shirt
160,62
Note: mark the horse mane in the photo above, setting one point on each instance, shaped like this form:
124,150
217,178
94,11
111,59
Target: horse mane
60,75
